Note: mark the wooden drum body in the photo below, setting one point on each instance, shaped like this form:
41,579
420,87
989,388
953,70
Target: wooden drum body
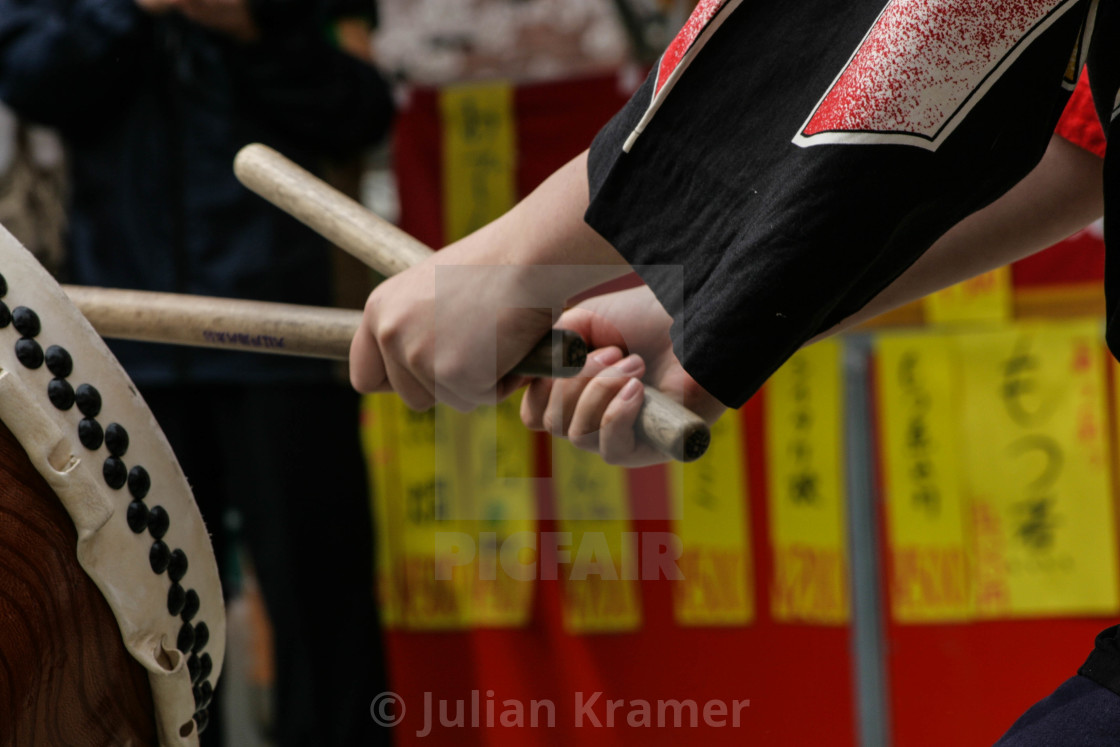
112,624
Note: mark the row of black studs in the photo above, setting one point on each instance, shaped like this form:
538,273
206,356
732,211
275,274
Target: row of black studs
192,639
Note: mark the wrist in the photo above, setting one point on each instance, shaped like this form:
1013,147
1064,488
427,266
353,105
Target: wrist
543,272
545,235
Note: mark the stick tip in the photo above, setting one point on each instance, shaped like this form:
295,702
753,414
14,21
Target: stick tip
695,442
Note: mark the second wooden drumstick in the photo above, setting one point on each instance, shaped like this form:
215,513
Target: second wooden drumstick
202,321
258,326
665,424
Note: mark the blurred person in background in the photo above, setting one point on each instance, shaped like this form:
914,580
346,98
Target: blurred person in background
153,98
33,188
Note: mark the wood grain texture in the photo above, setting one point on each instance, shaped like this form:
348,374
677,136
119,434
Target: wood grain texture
203,321
333,215
65,675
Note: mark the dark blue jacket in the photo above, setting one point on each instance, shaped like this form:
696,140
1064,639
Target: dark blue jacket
153,111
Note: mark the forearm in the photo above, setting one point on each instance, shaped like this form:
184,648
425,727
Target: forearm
1060,196
547,229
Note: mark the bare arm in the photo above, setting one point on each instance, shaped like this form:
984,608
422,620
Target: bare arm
1063,194
428,332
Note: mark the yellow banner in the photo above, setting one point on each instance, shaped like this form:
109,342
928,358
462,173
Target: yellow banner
714,530
600,573
804,433
930,574
450,491
415,474
1038,477
479,155
386,510
503,507
984,298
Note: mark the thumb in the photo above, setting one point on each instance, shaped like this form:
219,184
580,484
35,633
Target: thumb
597,330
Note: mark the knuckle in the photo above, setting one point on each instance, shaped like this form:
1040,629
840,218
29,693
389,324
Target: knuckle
526,413
451,370
603,387
531,418
585,441
387,333
415,358
419,402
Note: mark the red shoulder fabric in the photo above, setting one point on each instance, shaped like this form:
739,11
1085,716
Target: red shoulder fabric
1079,123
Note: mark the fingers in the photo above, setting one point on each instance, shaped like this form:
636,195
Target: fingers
597,411
408,387
618,441
564,395
367,368
596,329
585,422
535,403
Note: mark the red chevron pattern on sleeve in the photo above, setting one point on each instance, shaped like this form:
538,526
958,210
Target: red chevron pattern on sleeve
704,12
923,66
705,19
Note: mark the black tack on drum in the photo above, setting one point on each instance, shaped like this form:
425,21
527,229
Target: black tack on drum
115,473
176,600
26,321
139,482
159,556
116,439
60,393
90,433
89,400
158,522
29,352
59,361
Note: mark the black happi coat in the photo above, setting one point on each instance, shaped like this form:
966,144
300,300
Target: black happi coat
786,161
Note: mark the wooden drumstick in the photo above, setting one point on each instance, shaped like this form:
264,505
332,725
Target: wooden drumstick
202,321
255,326
668,426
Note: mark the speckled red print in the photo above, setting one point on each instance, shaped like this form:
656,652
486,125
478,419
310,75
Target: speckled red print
922,61
697,22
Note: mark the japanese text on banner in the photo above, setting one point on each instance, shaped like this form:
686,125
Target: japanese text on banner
1038,471
504,511
479,152
415,492
804,431
599,579
716,588
386,511
930,574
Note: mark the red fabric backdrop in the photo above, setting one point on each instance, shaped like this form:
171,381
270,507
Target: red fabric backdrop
797,677
949,684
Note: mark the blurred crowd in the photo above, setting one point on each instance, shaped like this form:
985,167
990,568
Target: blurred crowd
119,120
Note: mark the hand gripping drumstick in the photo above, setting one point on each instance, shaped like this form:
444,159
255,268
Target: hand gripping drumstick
668,426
